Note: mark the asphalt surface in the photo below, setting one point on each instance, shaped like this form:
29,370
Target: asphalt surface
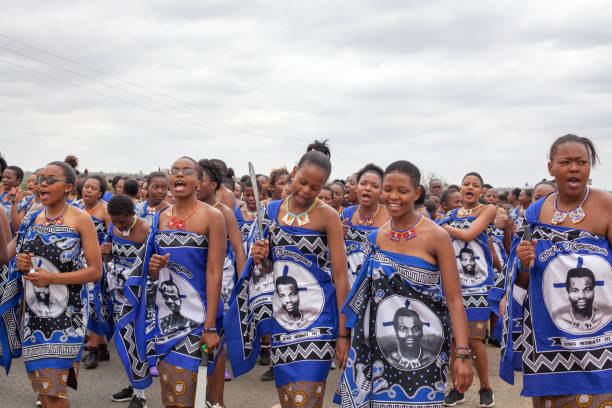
96,387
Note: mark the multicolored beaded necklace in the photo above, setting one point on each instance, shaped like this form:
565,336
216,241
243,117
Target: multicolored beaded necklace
179,223
302,218
407,234
59,220
91,210
576,215
367,221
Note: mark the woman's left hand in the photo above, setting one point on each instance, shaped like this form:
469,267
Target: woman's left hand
39,277
343,346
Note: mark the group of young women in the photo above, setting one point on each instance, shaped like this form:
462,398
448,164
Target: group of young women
394,283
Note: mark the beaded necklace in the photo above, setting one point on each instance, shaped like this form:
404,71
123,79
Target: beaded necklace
464,211
408,233
179,223
126,233
57,220
367,220
302,218
576,215
91,210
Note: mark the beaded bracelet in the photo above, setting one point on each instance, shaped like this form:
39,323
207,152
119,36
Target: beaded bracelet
463,356
209,330
464,348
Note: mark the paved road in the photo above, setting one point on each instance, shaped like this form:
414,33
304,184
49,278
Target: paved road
96,386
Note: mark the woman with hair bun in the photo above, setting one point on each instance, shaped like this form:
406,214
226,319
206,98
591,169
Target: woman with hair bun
291,290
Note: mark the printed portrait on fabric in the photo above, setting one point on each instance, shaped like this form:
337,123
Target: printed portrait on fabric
578,293
471,263
409,334
46,301
260,282
115,276
298,299
178,304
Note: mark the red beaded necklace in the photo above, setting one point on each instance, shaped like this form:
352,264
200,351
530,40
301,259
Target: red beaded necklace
179,223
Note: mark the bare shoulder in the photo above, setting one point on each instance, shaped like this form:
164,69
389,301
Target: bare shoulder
328,212
433,230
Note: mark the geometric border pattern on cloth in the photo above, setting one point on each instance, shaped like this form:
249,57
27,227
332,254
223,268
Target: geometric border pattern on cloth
181,239
307,244
316,350
248,326
555,361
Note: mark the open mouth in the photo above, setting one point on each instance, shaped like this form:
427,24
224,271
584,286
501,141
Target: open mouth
573,182
43,194
179,186
469,194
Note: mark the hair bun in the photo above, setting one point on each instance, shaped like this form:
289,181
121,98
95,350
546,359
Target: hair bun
319,147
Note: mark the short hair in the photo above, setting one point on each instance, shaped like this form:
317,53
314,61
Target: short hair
432,180
116,180
328,188
221,166
101,180
487,186
213,172
529,192
336,183
578,273
516,192
473,173
317,153
120,204
130,187
454,187
421,199
261,175
431,208
405,312
2,164
276,174
370,168
585,141
66,169
18,171
285,280
466,250
546,182
196,165
73,161
249,183
154,175
407,168
168,283
446,194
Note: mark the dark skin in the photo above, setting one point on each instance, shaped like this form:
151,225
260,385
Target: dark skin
92,194
337,196
17,216
369,189
157,190
54,198
206,194
433,245
350,190
571,168
205,221
471,190
226,196
5,238
308,180
249,198
123,222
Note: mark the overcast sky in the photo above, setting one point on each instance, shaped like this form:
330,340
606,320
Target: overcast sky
451,86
